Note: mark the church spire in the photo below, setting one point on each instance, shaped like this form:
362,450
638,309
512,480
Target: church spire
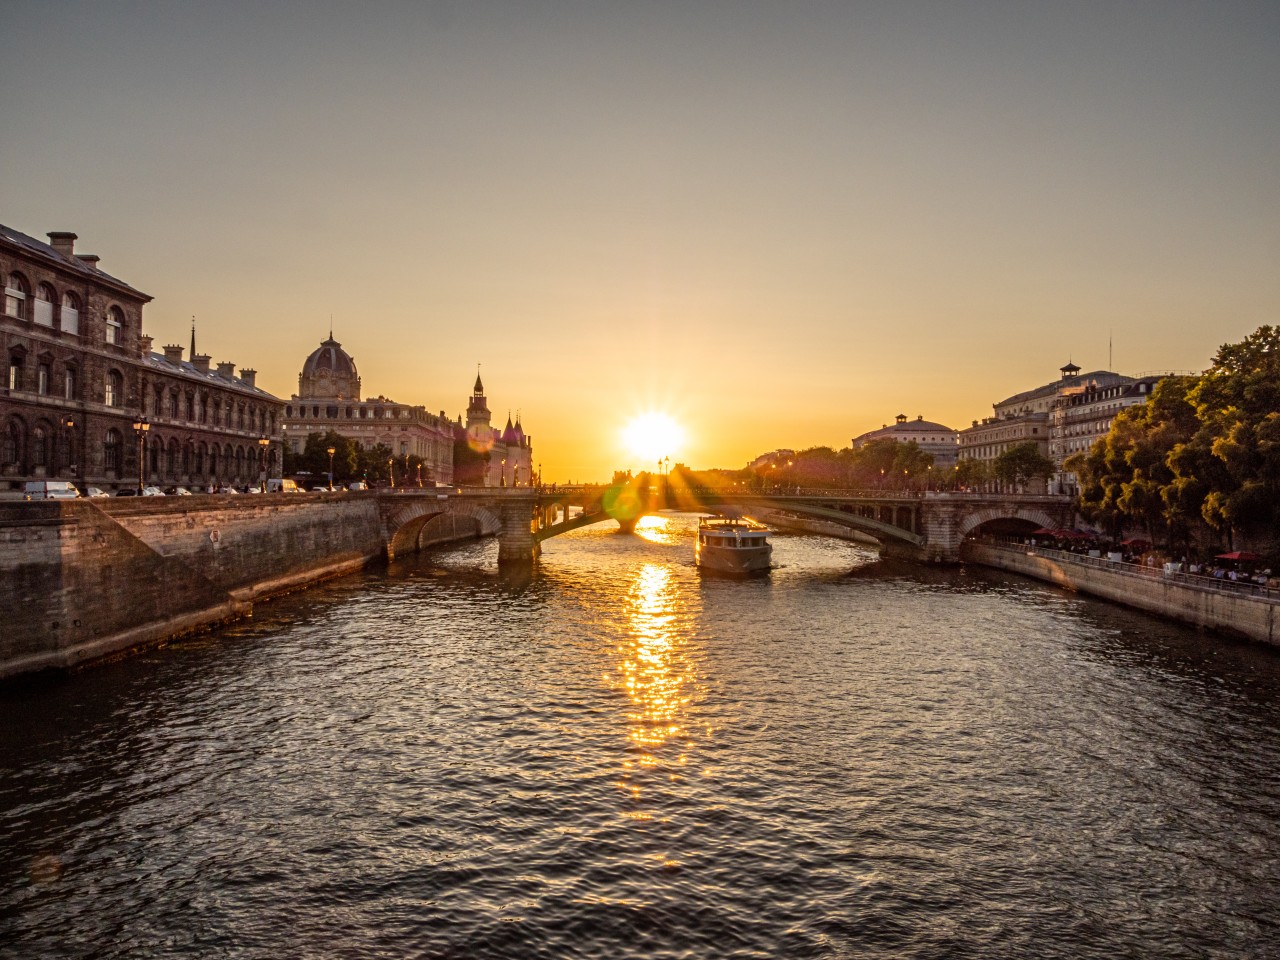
478,389
193,338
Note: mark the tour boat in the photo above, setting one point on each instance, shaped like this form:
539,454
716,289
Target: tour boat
729,545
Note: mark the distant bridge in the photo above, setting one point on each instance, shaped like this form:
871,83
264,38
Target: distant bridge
928,526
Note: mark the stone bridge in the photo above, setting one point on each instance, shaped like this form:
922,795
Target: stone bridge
924,526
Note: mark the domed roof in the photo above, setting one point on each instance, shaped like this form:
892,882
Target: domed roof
331,358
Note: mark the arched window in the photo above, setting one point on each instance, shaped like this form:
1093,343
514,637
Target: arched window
45,299
171,457
172,408
11,445
16,295
157,401
239,461
115,325
44,374
191,406
213,461
111,450
40,447
70,314
114,395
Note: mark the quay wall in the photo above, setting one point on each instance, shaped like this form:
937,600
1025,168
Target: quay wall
1238,613
85,579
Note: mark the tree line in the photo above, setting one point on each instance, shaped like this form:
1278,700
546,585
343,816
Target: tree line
1199,462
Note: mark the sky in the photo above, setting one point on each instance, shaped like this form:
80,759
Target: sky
780,224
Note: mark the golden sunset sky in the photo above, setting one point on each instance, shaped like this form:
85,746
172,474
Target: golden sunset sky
779,223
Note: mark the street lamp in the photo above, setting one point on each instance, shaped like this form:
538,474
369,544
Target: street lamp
331,451
502,474
515,475
263,443
391,471
419,474
140,427
70,425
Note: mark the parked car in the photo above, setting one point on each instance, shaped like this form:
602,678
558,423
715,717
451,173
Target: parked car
50,490
277,485
355,485
319,489
94,492
152,492
127,492
178,492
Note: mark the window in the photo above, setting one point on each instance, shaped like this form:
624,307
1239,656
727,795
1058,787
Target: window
114,394
43,375
69,383
45,299
70,314
11,444
115,325
15,296
40,446
15,371
111,450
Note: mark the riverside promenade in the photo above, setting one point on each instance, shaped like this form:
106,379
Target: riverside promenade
1242,609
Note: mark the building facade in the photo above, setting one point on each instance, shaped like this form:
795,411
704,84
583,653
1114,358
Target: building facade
329,398
496,458
86,399
1082,416
932,438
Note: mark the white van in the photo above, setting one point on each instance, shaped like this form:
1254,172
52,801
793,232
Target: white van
50,490
286,485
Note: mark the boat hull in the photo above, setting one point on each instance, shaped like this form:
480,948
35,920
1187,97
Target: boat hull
736,560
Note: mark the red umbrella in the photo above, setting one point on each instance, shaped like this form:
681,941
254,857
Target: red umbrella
1238,555
1135,541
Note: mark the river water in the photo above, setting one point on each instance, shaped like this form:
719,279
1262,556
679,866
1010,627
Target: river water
619,757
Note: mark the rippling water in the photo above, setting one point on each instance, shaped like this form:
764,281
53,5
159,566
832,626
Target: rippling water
619,757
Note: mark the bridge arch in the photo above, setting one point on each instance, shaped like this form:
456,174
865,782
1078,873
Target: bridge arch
406,528
974,520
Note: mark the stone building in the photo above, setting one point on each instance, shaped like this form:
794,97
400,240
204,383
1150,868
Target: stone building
1041,416
496,458
932,438
329,398
82,380
1082,415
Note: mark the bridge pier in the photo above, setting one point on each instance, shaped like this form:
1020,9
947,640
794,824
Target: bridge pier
516,543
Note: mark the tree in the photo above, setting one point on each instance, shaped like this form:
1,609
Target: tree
970,473
1021,464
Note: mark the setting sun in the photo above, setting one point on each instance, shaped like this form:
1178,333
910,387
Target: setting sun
652,436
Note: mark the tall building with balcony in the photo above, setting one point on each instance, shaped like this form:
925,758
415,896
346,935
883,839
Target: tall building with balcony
82,380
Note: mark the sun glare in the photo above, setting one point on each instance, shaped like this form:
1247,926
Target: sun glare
652,436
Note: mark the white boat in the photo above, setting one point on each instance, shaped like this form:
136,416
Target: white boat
729,545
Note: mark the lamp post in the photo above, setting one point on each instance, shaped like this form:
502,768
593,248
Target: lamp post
140,427
419,474
70,426
263,443
502,474
391,471
515,475
331,451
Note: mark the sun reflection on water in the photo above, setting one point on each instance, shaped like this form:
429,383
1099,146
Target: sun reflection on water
651,671
656,529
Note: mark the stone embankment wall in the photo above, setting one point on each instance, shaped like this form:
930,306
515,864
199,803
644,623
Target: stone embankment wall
1237,613
84,579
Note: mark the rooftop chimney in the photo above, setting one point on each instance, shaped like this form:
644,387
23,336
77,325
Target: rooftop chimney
248,376
173,353
144,345
64,243
200,361
90,260
226,370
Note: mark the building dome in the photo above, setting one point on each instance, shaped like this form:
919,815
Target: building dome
329,373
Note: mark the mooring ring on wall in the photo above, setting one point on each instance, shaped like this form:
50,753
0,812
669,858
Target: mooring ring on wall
214,536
